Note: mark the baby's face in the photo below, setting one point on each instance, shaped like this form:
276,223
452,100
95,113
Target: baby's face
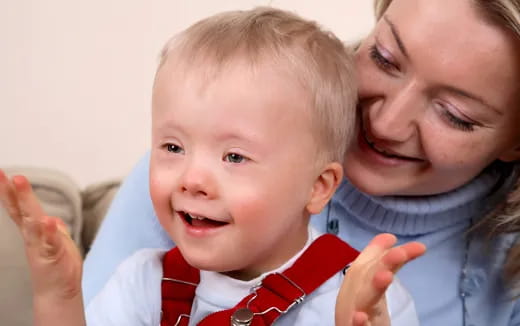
232,166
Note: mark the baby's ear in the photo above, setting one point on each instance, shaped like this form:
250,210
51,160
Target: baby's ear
324,187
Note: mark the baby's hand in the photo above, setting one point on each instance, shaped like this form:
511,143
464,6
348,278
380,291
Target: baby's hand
54,260
361,300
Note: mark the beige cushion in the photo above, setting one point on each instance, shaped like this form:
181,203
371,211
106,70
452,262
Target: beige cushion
59,196
96,201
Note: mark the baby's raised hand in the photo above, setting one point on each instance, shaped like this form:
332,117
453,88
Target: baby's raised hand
54,260
361,300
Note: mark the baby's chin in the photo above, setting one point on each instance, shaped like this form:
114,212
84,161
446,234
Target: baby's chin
216,264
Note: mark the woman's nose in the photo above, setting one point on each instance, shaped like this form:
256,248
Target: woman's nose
198,181
394,118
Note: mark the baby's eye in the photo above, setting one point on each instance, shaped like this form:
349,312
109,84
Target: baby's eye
172,148
234,158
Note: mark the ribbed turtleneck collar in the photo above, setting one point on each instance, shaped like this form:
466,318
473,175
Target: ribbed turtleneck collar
407,216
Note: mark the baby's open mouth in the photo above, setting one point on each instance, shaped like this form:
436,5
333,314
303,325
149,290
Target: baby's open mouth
200,221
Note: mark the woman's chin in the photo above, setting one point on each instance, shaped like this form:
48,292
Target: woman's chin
366,184
377,185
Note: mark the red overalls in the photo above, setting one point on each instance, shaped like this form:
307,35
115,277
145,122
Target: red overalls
278,292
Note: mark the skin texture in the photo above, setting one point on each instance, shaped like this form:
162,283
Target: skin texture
230,149
418,103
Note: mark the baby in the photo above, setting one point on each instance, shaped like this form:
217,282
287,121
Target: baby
252,113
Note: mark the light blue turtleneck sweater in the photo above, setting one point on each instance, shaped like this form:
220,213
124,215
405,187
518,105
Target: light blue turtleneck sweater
457,282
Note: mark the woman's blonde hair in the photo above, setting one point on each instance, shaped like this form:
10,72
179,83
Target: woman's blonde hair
506,217
505,13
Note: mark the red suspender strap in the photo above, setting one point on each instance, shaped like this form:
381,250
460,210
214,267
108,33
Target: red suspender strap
177,289
278,292
325,257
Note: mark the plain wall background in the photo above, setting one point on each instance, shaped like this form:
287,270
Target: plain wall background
76,76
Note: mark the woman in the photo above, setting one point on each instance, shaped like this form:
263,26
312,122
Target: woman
436,153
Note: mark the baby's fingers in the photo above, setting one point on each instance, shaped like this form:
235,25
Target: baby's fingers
27,202
391,262
375,249
32,231
8,199
52,239
398,256
41,236
360,319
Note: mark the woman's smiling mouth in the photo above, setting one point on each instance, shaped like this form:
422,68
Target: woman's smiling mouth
387,152
371,147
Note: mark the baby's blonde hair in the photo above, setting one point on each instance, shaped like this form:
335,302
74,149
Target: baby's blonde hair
317,60
506,218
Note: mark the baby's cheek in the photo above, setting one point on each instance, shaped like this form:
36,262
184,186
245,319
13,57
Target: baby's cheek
161,198
249,206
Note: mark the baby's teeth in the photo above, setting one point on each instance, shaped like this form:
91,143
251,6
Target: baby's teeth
197,217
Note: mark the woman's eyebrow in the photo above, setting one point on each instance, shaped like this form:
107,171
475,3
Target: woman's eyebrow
397,36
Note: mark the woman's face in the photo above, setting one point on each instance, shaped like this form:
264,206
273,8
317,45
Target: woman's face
439,99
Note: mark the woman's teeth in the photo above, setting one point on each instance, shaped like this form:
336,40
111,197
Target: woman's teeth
380,150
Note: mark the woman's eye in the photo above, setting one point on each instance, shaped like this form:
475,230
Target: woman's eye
172,148
234,158
455,121
458,122
380,59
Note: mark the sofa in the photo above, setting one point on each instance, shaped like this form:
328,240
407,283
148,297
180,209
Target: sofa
82,210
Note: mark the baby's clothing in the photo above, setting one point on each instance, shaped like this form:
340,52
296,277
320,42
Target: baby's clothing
133,295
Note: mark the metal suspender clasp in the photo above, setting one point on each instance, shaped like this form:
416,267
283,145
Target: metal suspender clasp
244,316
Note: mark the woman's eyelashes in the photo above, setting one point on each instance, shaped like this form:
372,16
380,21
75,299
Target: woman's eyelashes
454,120
459,123
380,60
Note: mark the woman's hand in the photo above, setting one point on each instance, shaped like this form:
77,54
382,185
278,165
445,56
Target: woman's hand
361,300
54,260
